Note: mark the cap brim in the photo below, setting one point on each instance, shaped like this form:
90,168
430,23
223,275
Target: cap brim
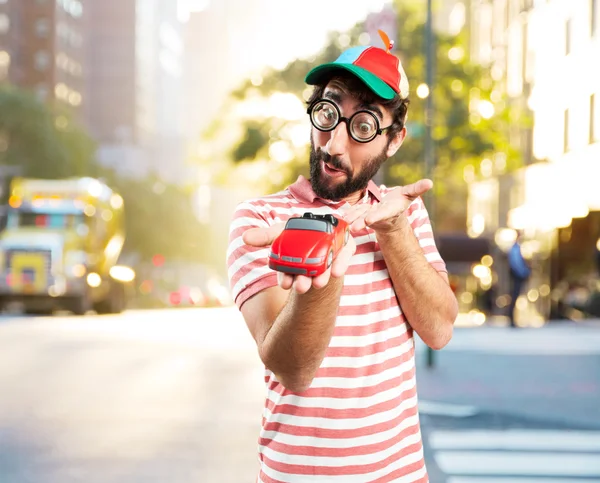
321,72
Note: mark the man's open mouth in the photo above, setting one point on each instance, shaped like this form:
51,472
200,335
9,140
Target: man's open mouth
331,171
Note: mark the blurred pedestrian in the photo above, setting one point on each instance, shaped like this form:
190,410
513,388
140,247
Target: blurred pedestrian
338,348
520,271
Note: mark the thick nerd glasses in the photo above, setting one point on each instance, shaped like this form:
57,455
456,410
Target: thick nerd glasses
363,126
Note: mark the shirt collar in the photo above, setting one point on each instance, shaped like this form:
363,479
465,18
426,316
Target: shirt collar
302,191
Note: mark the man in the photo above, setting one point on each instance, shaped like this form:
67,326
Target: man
519,273
338,348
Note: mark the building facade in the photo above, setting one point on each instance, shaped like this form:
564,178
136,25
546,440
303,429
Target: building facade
42,49
135,83
539,53
111,71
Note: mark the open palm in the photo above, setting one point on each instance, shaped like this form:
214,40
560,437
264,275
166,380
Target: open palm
383,216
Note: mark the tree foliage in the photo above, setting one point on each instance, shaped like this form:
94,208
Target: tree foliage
160,219
43,141
254,139
463,137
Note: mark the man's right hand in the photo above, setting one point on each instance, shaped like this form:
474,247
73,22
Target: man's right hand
263,237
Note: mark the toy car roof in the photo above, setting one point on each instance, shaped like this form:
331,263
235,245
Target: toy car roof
326,218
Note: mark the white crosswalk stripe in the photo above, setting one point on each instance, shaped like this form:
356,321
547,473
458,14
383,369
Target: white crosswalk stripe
517,456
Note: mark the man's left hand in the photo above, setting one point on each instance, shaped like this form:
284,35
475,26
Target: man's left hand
384,217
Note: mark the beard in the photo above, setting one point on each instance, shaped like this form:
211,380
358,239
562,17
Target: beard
353,183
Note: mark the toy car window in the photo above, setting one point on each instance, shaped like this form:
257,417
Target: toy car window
308,224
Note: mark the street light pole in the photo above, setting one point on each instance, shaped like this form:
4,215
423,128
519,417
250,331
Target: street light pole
429,154
429,163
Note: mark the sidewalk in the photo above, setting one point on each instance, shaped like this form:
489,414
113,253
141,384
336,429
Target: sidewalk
554,338
477,319
547,373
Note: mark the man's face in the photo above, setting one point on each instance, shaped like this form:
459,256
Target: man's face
345,180
339,165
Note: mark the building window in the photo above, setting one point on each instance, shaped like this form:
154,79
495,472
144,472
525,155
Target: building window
73,7
4,58
61,91
593,17
75,39
4,23
42,92
4,64
75,98
42,28
41,60
568,37
566,132
594,121
76,9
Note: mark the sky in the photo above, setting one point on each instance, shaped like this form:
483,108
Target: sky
246,36
280,31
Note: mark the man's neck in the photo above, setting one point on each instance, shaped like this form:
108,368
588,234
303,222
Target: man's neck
354,197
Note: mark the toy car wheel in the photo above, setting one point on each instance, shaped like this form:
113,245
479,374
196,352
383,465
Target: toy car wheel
329,259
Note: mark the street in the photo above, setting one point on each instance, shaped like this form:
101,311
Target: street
514,406
176,396
163,396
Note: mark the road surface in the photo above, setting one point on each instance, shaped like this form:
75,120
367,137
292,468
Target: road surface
176,396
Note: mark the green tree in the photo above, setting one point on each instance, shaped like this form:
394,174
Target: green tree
255,138
471,119
43,140
160,219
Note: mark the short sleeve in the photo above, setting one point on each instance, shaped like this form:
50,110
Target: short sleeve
421,225
247,267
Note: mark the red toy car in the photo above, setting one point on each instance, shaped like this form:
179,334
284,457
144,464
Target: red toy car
308,245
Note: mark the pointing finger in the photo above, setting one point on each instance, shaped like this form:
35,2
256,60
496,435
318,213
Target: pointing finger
419,188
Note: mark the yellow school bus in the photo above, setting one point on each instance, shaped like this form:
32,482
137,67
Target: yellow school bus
60,247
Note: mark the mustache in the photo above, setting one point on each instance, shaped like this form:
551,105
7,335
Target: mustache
334,161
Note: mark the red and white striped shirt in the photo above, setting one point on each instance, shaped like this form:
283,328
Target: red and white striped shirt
358,422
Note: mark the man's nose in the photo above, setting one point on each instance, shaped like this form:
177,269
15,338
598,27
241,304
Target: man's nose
338,141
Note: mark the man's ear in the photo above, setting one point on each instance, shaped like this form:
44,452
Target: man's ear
396,142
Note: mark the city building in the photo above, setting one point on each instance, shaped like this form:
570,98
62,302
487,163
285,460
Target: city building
111,71
135,85
42,49
208,76
539,53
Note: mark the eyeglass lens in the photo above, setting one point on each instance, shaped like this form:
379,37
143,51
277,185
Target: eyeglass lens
363,126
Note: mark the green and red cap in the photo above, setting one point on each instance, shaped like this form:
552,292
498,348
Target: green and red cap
379,69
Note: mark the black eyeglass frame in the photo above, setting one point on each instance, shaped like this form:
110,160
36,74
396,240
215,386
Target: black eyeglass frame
347,120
